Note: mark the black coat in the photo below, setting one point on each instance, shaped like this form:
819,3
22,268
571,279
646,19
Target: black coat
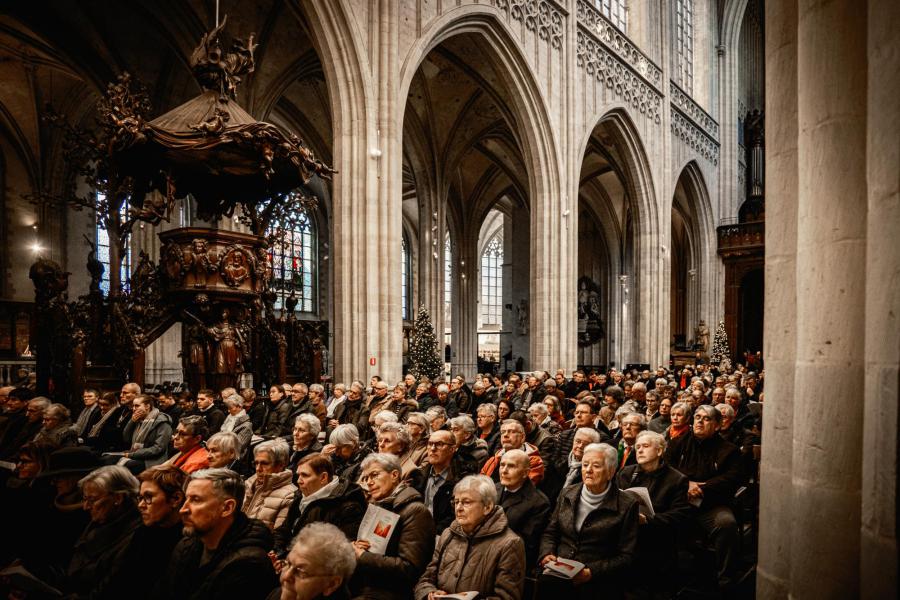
344,508
214,416
110,437
149,546
295,410
276,418
526,511
560,456
239,568
258,413
606,543
393,575
668,491
713,461
354,413
442,507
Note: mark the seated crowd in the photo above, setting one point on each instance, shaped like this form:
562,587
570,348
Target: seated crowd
508,487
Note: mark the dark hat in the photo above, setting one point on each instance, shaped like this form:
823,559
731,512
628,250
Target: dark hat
71,461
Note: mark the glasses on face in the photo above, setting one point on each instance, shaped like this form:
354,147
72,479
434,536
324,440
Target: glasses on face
293,571
372,475
146,499
437,445
464,502
91,500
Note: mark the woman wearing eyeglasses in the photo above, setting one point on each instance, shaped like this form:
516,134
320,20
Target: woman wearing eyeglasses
159,500
109,494
410,541
478,552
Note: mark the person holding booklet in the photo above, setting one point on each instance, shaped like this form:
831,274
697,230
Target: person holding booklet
478,555
396,536
593,524
668,492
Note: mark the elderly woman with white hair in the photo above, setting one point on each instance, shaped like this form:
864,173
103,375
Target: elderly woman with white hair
270,491
319,565
305,439
393,438
478,552
419,429
57,429
109,494
410,542
668,491
222,449
346,452
595,524
237,422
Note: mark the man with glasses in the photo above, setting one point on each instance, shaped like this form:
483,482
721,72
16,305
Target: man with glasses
441,472
631,425
300,404
188,441
713,468
224,553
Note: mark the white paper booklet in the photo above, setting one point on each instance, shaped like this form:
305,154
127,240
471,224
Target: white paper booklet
563,567
376,528
461,596
642,495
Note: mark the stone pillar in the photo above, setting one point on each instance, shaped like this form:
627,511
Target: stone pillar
878,543
465,305
780,332
430,272
831,264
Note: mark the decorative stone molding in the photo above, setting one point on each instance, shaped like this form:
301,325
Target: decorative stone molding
618,76
616,41
542,16
698,140
700,117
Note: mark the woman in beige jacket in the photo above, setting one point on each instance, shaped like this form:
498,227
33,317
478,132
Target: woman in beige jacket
270,491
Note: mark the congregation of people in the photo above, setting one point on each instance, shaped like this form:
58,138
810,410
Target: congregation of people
497,483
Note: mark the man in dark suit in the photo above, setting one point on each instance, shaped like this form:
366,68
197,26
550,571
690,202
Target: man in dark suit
526,507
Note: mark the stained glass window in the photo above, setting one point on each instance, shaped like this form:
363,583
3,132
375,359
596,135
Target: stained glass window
293,258
101,238
492,282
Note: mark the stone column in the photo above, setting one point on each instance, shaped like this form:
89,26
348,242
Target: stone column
432,228
878,543
780,332
831,264
465,306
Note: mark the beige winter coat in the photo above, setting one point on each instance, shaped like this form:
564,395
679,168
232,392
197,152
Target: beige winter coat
491,561
270,502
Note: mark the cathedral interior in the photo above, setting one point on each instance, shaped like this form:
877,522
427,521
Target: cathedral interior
575,184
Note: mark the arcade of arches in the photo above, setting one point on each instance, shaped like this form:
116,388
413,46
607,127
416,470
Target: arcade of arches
561,186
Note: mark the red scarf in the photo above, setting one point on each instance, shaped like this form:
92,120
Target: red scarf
675,432
179,462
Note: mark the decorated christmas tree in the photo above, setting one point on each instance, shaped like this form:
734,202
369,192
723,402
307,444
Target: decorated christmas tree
423,349
720,350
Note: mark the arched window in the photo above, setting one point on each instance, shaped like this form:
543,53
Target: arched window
405,275
684,44
448,277
492,282
293,257
615,11
101,238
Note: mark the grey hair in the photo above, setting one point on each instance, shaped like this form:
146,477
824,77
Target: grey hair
661,381
591,432
60,411
642,420
482,484
301,385
196,425
278,449
388,462
539,407
113,479
478,385
610,454
419,419
684,406
312,423
464,422
345,435
399,430
386,416
443,388
710,411
658,439
227,441
733,392
317,388
638,385
233,400
726,410
435,412
330,549
550,383
41,401
517,455
518,425
227,484
489,408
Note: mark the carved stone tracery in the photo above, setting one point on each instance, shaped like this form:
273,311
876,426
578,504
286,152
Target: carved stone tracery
541,16
697,139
